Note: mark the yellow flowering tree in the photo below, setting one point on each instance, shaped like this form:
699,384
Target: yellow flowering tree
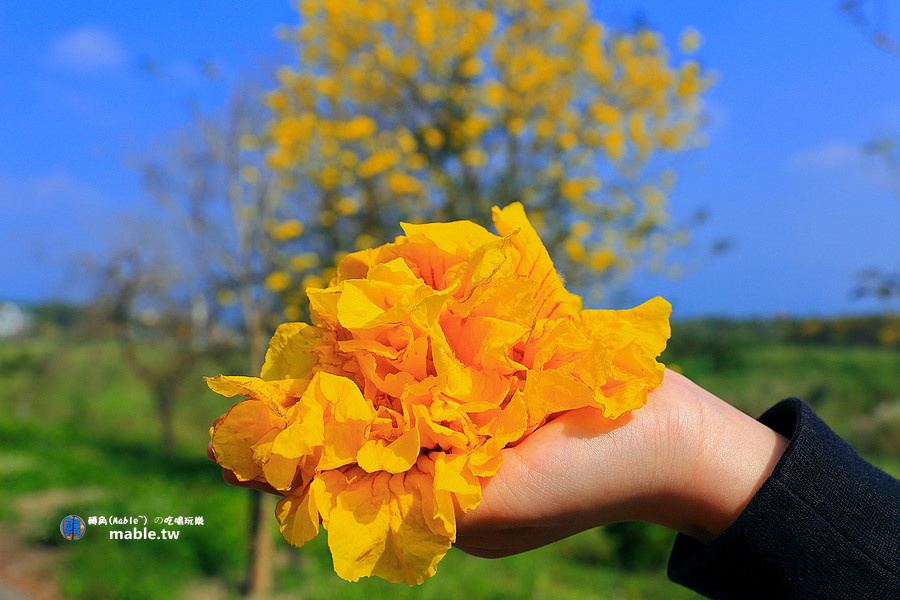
420,110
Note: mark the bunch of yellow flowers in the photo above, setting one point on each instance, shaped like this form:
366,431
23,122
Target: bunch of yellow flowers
426,357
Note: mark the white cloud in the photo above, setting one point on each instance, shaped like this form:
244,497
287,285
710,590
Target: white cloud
835,154
88,49
848,163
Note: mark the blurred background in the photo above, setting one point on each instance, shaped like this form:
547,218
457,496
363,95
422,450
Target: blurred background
173,176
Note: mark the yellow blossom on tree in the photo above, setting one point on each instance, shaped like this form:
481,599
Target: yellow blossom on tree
433,137
690,40
425,358
287,230
436,110
302,262
580,229
277,281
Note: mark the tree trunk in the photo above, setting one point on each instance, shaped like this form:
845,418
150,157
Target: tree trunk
259,577
164,396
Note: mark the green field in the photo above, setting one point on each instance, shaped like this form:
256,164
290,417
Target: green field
80,436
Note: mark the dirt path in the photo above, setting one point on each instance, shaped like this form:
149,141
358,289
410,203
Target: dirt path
27,572
8,593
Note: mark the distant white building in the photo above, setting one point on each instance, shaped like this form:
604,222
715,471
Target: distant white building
14,321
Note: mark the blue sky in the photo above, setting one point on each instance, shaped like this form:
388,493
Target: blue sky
800,91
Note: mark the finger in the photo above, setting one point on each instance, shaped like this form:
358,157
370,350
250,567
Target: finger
231,479
502,546
512,541
483,553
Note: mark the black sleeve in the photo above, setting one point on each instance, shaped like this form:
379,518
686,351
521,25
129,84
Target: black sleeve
825,524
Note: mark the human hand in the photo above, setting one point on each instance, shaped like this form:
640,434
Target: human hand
686,460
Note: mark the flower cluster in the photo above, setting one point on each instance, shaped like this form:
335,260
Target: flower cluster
430,109
427,356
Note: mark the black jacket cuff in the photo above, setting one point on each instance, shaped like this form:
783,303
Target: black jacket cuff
825,524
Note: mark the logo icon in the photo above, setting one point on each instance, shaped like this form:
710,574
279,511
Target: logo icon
72,527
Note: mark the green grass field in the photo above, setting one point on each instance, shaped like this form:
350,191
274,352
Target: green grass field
80,436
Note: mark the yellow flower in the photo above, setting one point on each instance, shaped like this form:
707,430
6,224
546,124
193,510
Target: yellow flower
516,125
433,137
575,189
357,127
401,183
690,40
287,230
277,101
471,67
364,240
348,205
302,262
575,249
601,259
475,157
614,142
291,313
416,161
277,281
580,229
568,140
378,162
606,114
426,357
311,281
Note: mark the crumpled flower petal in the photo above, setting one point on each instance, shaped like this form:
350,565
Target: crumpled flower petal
426,358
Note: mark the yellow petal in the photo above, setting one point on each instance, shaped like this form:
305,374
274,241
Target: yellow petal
356,264
290,354
549,392
358,304
647,324
554,344
487,342
347,415
395,272
280,472
633,339
433,433
452,474
507,423
634,373
377,527
299,443
280,393
490,286
551,300
394,457
437,505
234,385
458,237
235,433
323,305
298,518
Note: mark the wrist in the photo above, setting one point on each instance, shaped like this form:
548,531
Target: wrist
717,459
